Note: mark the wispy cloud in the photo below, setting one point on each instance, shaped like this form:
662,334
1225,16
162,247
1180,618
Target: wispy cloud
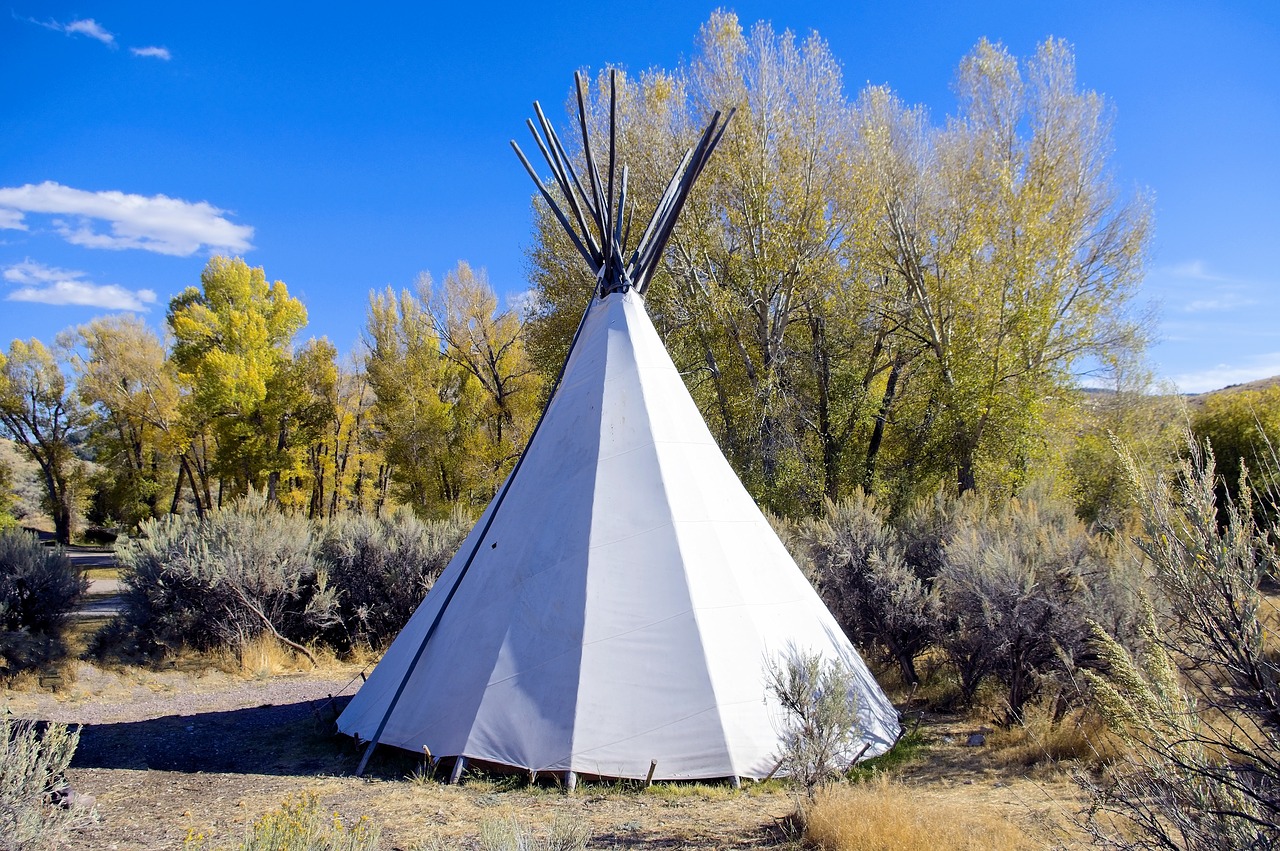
152,223
1221,301
51,285
1224,375
91,28
80,26
156,52
1196,270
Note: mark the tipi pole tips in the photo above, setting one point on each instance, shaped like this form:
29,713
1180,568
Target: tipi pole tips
600,228
459,766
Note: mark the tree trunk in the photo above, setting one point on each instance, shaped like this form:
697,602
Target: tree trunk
882,417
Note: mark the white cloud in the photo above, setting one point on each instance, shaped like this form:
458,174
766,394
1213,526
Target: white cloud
153,223
155,52
1224,375
91,28
11,220
51,285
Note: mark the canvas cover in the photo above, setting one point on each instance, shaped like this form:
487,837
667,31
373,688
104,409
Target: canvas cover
625,602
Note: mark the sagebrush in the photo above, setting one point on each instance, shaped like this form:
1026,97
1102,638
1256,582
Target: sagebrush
33,765
39,588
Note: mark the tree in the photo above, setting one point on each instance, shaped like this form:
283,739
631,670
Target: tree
1243,427
415,390
7,499
39,411
127,381
856,296
1010,253
233,339
488,345
753,295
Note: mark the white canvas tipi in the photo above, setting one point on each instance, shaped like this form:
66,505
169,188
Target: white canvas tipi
619,601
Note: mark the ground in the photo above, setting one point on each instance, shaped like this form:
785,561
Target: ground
168,754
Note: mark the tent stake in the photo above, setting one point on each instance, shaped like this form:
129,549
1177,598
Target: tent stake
653,766
459,765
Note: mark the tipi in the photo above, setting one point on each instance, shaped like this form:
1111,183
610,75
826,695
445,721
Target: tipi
614,610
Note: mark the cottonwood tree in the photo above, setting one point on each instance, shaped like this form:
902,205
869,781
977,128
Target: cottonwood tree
487,343
125,378
415,390
752,294
1012,254
233,341
856,296
342,465
40,411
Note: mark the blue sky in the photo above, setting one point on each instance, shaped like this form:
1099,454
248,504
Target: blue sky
347,148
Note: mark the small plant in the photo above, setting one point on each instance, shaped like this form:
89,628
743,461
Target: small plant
32,770
299,824
512,835
821,725
39,588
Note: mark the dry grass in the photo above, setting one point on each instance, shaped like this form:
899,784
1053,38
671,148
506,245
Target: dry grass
1269,615
887,814
1082,737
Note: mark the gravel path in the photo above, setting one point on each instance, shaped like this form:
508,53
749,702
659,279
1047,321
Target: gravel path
106,697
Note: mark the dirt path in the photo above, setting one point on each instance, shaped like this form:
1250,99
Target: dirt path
165,754
168,754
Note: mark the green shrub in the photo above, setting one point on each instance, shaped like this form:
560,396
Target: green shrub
39,588
32,769
223,580
384,567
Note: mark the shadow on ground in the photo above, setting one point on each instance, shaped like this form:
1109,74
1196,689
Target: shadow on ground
289,739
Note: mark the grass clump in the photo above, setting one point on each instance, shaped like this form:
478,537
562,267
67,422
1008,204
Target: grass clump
32,767
299,824
886,814
908,749
512,834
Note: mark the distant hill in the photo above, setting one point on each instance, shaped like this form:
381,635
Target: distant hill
26,485
1260,384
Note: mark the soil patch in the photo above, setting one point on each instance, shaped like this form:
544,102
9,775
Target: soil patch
171,754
